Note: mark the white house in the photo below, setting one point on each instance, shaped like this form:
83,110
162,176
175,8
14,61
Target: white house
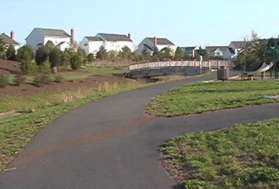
238,46
222,52
60,38
151,43
111,42
9,40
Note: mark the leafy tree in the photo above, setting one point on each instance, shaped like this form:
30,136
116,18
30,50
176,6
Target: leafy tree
165,54
25,57
55,59
41,56
2,50
102,53
179,54
112,56
11,53
125,53
66,56
49,45
155,54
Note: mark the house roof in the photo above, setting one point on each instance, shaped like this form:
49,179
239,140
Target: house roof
161,41
93,38
238,44
114,37
52,32
211,49
7,40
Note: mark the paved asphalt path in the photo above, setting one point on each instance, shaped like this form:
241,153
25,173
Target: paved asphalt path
113,144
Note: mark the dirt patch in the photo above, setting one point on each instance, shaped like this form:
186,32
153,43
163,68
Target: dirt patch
30,90
9,114
9,67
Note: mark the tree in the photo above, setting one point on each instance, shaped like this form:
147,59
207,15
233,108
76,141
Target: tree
165,54
90,58
75,61
2,50
55,59
49,45
82,55
102,53
41,55
66,57
11,53
125,53
179,54
25,57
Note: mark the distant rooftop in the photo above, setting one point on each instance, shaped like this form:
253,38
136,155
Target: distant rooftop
161,41
7,40
52,32
93,38
114,37
222,48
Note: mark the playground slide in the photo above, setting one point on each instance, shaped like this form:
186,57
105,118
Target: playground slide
264,68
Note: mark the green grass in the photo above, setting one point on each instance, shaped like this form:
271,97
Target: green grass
205,97
93,70
246,156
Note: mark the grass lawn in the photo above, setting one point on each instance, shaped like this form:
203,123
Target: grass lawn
205,97
246,156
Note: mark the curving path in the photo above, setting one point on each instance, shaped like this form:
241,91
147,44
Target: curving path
113,144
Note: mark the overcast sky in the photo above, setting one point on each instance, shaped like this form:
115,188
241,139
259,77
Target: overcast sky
185,22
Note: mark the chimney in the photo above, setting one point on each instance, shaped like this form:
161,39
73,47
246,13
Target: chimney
72,36
129,35
12,35
155,41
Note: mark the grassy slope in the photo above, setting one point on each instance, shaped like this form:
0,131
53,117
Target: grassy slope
213,96
246,156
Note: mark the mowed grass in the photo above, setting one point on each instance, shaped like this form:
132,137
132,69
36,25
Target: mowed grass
246,156
205,97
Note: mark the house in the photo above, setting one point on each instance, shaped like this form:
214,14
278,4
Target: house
220,52
238,46
149,44
60,38
9,40
111,42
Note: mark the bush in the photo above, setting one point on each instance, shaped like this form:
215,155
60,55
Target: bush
41,79
18,80
75,62
58,78
4,81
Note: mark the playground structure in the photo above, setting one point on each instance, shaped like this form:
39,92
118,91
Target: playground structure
262,70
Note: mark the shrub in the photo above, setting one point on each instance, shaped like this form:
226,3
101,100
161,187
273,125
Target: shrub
58,78
41,79
4,81
18,80
75,62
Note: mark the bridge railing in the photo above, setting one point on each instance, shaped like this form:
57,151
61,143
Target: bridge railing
212,64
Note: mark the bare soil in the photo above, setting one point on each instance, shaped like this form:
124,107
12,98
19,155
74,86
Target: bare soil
9,67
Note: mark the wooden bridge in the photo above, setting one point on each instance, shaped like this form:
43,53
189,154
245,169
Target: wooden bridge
154,69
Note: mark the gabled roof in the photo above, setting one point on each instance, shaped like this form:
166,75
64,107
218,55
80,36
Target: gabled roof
211,49
52,32
7,40
93,38
238,44
160,41
113,37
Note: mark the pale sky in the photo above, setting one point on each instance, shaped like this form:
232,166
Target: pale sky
185,22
